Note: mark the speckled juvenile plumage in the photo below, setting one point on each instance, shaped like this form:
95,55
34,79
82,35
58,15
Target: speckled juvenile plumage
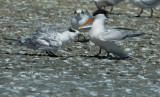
46,39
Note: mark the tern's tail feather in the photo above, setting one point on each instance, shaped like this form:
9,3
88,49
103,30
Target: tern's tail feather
11,39
16,41
133,35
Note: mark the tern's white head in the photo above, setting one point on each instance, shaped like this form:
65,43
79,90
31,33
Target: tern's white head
79,13
98,14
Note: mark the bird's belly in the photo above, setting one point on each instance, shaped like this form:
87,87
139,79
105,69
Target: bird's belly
105,45
142,5
102,4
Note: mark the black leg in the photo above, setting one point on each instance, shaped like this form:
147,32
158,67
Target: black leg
151,12
78,38
111,10
140,13
98,53
84,37
108,54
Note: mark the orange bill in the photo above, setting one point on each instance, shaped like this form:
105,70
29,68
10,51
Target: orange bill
89,20
78,13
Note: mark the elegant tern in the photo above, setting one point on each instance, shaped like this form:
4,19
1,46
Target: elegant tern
144,4
78,18
106,3
105,38
46,39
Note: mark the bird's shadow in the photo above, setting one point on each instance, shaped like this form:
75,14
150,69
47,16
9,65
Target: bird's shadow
102,57
83,41
26,54
64,57
140,17
40,55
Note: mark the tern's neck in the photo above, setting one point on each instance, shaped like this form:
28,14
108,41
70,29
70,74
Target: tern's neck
79,17
67,36
98,24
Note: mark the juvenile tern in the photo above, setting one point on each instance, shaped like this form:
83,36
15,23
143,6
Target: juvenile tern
106,3
79,17
105,37
144,4
46,39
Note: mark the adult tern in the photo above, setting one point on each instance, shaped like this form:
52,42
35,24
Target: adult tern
46,39
144,4
79,17
106,3
105,37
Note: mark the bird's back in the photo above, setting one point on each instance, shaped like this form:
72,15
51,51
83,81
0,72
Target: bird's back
44,39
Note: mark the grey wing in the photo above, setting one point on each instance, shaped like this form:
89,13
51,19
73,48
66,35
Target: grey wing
29,42
43,30
123,28
111,2
49,44
150,2
111,35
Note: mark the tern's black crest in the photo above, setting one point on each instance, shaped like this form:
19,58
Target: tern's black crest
100,11
71,30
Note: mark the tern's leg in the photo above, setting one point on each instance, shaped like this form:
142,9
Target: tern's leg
111,10
98,52
78,38
81,36
84,37
140,13
51,54
151,12
107,54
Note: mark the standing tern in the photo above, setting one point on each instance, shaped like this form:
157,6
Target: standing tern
79,17
46,39
106,3
144,4
104,38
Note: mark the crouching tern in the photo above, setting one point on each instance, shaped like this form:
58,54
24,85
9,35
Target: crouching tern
78,18
144,4
105,37
46,39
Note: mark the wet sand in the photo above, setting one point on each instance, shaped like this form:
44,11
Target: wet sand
76,73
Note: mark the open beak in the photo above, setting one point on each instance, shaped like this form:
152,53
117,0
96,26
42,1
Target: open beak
89,20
